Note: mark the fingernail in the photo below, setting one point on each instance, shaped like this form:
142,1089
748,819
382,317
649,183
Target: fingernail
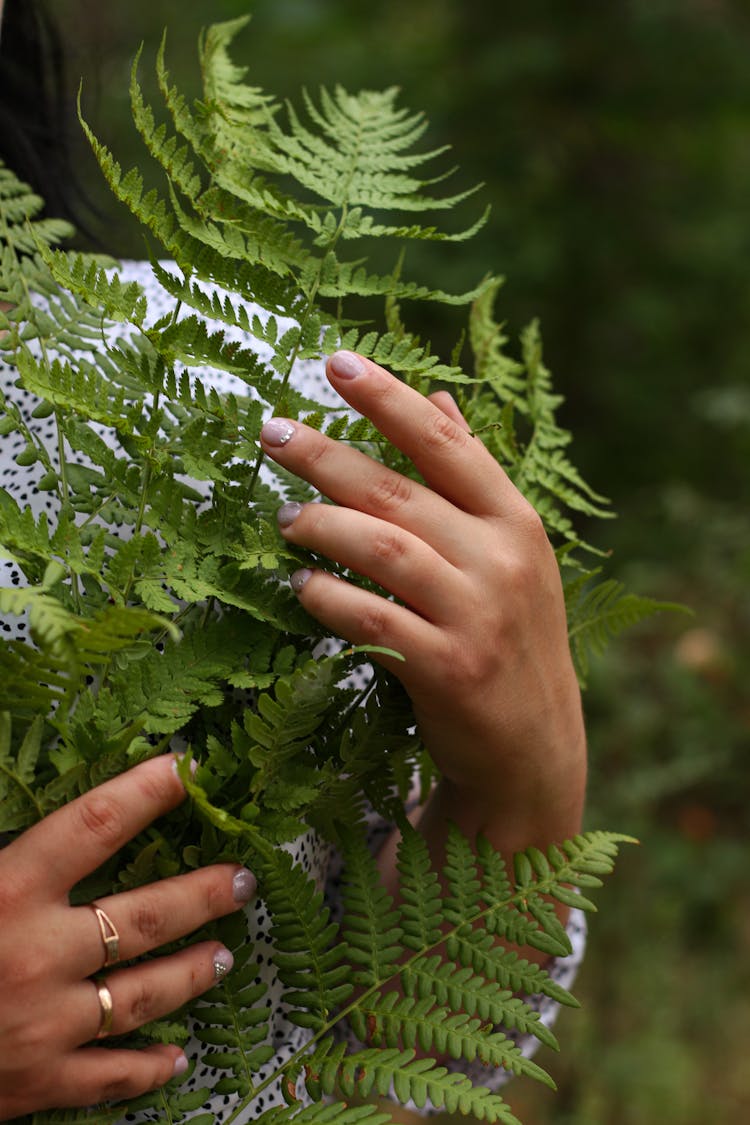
298,579
243,885
288,513
176,758
277,431
180,1066
347,365
223,961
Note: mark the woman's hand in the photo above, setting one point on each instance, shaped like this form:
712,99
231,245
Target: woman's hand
480,617
50,1008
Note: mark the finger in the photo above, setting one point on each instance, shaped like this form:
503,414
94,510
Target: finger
446,402
364,618
355,481
400,562
92,1075
449,459
147,991
161,912
73,841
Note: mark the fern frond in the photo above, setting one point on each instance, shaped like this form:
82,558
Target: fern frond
384,1070
314,972
598,614
371,928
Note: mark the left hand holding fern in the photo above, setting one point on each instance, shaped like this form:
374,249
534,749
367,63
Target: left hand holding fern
479,616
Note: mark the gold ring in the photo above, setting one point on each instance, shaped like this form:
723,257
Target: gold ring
105,1008
110,936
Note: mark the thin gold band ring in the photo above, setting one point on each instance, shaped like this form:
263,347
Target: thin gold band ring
106,1009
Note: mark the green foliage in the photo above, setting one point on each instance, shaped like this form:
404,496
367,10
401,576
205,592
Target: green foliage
155,608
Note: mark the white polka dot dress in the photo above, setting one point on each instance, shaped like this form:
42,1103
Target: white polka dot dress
310,851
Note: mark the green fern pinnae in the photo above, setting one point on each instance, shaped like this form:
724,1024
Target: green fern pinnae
395,1021
81,389
166,148
232,1018
107,294
419,886
445,983
598,614
363,153
20,208
371,928
310,968
188,606
109,1116
286,722
332,1113
382,1070
223,83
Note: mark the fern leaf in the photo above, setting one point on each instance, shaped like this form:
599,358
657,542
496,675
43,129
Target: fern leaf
371,929
313,972
598,614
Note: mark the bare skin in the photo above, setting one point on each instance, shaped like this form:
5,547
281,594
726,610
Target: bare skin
482,628
49,1008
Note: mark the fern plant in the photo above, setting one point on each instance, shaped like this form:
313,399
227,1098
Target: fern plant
155,607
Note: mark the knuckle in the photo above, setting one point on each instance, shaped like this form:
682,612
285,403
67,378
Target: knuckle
441,431
387,493
142,1006
316,450
389,547
156,787
533,524
120,1082
101,816
149,922
374,626
31,1040
216,898
29,968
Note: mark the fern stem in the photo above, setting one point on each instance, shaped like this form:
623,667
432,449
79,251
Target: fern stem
166,1107
540,888
329,247
65,489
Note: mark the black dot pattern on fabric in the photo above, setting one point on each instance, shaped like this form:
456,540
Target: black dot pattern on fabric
309,850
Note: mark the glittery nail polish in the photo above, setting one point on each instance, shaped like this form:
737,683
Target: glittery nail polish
299,578
223,961
277,431
243,885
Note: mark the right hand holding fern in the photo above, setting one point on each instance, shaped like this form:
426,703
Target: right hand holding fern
50,1007
480,617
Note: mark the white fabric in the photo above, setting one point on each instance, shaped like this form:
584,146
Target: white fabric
312,852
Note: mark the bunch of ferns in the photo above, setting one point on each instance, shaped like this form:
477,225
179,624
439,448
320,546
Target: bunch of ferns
157,607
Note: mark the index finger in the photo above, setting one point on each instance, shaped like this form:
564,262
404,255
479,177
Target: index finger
76,839
451,461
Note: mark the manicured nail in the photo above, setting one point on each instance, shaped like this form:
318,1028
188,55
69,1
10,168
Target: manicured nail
299,578
277,431
223,961
176,758
288,513
243,885
180,1066
347,365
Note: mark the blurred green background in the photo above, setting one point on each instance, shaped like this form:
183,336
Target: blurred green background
614,142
